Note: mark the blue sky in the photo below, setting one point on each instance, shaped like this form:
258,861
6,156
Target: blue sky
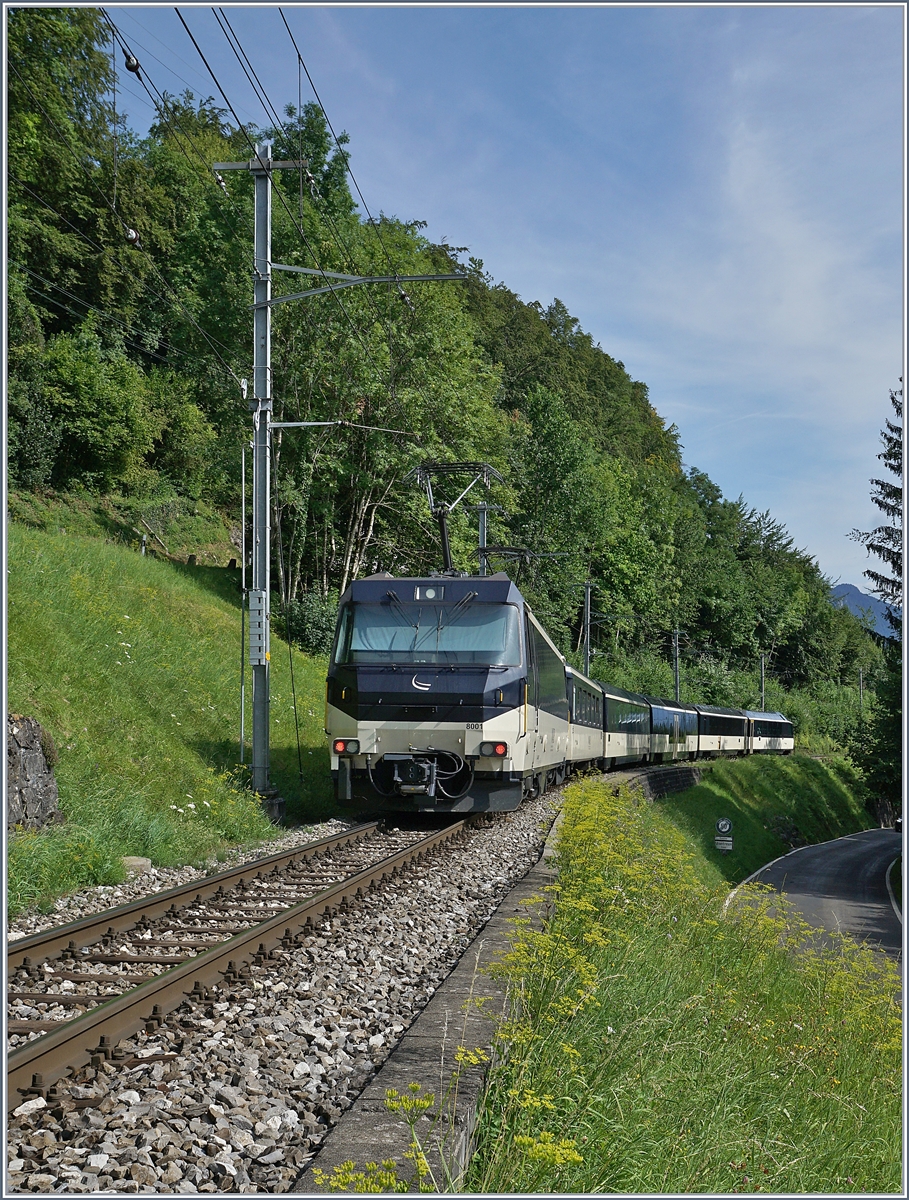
715,191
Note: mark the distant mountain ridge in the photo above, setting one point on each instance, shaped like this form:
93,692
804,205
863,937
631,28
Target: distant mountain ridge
863,605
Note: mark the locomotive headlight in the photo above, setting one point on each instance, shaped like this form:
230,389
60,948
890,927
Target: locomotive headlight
346,746
493,749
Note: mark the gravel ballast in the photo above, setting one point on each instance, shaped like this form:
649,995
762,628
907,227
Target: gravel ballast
263,1071
159,879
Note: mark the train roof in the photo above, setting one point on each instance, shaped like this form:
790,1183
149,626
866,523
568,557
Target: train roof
720,712
578,674
490,589
672,704
617,693
766,716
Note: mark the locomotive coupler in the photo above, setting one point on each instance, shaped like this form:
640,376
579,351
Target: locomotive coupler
413,776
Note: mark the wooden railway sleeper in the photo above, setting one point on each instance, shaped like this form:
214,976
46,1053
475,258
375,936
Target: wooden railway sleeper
255,899
65,999
152,959
245,914
194,944
34,1026
129,935
231,929
85,977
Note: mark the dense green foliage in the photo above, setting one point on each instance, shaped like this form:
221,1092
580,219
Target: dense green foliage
124,379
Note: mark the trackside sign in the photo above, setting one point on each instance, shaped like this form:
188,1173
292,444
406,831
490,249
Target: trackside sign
723,839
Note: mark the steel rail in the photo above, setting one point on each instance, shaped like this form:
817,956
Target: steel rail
95,1033
49,943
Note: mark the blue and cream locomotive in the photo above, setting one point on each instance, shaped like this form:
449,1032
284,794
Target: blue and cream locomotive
445,694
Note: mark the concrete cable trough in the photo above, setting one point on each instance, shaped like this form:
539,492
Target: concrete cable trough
368,1131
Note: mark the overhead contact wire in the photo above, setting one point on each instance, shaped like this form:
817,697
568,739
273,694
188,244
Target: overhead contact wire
337,142
131,329
160,104
59,303
376,225
143,284
166,112
270,110
278,193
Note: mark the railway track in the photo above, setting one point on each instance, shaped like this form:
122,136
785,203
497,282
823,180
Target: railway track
76,991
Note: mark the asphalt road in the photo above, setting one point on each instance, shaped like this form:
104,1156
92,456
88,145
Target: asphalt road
841,886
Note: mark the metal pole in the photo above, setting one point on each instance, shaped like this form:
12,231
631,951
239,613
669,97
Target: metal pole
763,701
261,404
675,659
261,167
442,517
588,587
242,604
484,509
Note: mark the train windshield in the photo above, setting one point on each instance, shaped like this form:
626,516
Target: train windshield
487,634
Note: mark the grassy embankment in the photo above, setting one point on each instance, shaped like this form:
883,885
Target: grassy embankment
658,1045
896,882
169,523
133,664
774,803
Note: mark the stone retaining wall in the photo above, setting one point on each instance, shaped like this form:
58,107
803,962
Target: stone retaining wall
31,798
659,781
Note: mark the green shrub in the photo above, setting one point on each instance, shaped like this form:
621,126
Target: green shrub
41,864
309,622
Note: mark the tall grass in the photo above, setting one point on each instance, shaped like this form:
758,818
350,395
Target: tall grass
656,1045
177,524
133,665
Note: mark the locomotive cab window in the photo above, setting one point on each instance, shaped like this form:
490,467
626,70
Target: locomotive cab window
396,632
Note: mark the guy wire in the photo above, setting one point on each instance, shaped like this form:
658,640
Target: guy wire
286,601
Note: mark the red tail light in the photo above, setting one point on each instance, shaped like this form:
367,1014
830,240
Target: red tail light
345,746
494,749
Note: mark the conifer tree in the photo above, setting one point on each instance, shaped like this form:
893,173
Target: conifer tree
880,751
886,541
